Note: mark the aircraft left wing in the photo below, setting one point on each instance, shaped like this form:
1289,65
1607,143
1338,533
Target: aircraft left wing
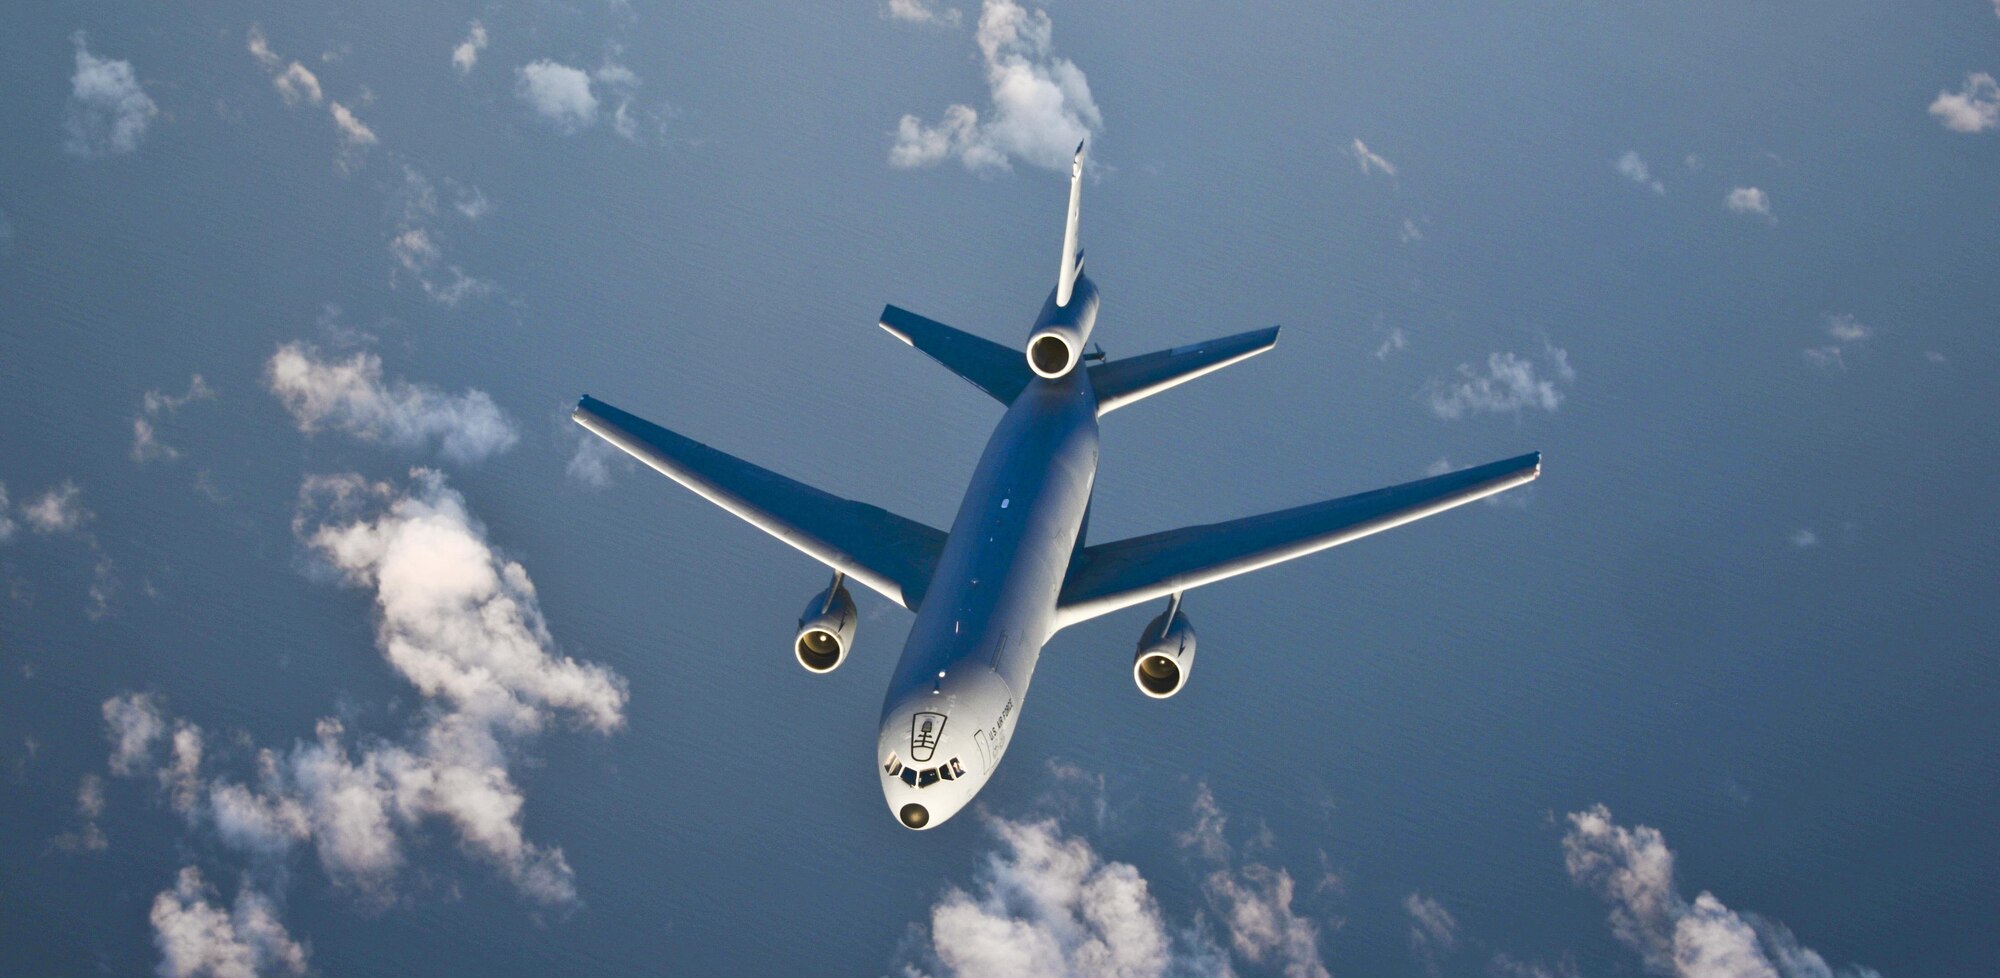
1117,575
891,555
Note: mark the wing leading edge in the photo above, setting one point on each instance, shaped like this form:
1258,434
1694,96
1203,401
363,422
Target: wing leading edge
891,555
1120,574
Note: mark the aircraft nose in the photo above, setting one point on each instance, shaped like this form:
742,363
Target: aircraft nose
914,815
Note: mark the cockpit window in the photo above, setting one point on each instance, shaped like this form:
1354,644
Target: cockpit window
910,776
893,765
927,777
956,771
944,771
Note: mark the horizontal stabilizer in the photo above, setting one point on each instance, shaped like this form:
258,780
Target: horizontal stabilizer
998,370
1121,382
891,555
1117,575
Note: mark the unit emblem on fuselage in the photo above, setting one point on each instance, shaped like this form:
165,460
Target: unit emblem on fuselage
925,729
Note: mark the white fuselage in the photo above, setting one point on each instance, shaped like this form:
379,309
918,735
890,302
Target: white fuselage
958,689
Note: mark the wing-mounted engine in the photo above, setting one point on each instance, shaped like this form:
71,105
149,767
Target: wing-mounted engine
826,628
1165,656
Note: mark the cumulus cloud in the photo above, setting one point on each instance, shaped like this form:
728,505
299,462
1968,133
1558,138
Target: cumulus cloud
1632,167
1975,107
461,624
1410,233
1803,538
1041,104
6,522
591,463
1847,329
1253,900
298,84
133,724
1827,358
921,12
1370,161
1633,870
108,110
1433,930
1045,903
351,396
198,938
415,245
87,836
146,445
1510,384
352,131
59,510
466,54
559,93
1750,200
1396,342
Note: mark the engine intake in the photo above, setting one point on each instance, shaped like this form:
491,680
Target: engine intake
1165,657
826,629
1060,332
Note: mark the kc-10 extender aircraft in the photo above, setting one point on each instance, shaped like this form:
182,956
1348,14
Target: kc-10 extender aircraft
1015,568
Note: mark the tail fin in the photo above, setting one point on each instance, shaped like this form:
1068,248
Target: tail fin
1120,382
1072,258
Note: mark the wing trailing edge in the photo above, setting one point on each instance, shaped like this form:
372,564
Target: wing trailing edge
1110,576
1121,382
889,554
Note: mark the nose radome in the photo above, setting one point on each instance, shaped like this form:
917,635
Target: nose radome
914,816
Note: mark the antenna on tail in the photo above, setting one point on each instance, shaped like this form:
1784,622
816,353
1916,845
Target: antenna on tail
1071,258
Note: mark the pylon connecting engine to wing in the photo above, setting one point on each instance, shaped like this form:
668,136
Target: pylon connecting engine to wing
826,628
1166,653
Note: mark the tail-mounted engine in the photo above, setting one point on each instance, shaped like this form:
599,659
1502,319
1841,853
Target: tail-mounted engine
1166,653
826,628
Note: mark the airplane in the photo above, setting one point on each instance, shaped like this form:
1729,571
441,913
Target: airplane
1016,567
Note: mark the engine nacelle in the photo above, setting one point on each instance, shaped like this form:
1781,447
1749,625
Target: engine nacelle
1060,332
826,630
1165,656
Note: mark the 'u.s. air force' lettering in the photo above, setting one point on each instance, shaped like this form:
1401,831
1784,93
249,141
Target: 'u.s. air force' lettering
994,736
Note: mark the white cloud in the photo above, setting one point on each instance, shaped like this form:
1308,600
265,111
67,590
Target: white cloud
260,47
559,93
88,836
350,395
146,445
1975,107
297,84
921,12
415,246
1931,355
1633,871
1509,385
1410,233
1041,104
1433,930
1048,904
59,510
460,623
1254,901
1396,342
1370,161
1633,168
133,723
108,110
1750,200
352,131
6,522
466,54
1803,538
197,938
1826,358
1847,329
591,463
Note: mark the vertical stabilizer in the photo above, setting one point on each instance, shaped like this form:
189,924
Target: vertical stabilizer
1067,282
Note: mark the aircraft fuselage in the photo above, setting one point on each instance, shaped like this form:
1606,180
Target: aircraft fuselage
991,605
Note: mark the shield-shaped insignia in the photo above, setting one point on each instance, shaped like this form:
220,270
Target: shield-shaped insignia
925,729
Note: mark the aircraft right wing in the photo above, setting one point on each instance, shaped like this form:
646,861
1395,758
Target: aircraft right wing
1110,576
891,555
